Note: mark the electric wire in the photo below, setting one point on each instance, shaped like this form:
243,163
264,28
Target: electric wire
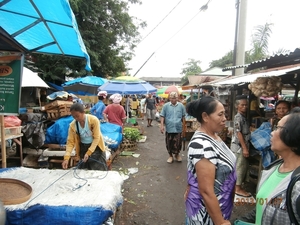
160,21
203,8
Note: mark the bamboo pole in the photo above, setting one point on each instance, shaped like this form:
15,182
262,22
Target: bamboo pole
3,144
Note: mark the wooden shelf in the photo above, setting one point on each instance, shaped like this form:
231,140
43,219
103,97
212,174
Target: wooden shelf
17,138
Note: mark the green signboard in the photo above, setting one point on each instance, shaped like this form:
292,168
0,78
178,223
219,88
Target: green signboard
10,86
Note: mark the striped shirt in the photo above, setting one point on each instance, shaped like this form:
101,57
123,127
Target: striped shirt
203,146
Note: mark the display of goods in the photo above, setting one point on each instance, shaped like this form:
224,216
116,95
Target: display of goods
266,86
128,145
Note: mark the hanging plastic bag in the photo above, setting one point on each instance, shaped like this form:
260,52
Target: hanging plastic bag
12,121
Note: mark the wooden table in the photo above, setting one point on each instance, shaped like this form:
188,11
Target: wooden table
17,138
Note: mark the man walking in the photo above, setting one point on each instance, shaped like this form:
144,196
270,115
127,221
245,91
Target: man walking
150,109
172,116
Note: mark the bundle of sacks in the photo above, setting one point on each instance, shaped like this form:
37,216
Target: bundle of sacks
266,86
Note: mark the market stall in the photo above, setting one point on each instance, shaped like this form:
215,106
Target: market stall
60,196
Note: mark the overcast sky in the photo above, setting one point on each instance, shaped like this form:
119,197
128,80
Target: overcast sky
209,36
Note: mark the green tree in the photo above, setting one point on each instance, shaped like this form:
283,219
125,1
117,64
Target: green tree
260,42
225,61
192,67
258,51
110,35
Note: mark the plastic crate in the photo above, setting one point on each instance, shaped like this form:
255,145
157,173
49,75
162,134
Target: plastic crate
9,131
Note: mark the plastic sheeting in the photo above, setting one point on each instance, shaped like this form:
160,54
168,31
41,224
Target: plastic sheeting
59,197
84,85
43,27
58,132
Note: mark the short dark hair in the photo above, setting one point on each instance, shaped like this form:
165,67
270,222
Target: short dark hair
78,107
207,104
284,102
290,134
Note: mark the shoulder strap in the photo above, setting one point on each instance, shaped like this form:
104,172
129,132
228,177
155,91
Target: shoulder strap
294,178
77,127
274,163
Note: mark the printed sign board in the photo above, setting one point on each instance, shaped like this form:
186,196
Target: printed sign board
10,85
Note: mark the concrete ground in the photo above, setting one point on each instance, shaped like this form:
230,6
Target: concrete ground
154,195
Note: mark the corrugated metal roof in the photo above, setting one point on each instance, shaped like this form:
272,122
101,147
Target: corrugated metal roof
235,67
248,78
277,60
216,71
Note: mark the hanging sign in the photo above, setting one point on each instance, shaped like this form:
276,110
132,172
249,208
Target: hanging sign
10,84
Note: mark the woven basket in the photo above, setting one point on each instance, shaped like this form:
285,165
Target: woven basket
128,145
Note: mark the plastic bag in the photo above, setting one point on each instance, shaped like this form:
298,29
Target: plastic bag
12,121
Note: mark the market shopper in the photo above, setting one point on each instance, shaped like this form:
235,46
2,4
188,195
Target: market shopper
143,107
172,116
128,106
282,108
271,199
115,113
240,143
210,167
97,109
85,136
150,109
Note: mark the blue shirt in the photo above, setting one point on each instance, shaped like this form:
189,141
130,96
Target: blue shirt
173,115
97,110
86,135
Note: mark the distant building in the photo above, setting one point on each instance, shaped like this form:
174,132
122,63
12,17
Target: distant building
163,81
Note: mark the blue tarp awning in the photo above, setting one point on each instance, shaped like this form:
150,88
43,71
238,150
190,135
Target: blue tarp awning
127,88
84,85
56,87
43,27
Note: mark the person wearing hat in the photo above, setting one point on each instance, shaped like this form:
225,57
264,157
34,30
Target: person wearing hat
97,109
240,143
115,113
172,116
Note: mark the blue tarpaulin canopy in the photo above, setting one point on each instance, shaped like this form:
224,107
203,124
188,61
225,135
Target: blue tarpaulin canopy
127,88
41,26
84,85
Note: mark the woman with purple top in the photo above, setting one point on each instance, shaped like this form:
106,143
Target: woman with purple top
210,168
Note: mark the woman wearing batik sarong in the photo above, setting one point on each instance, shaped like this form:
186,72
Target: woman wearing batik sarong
211,167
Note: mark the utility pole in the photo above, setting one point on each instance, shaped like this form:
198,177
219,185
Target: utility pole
239,46
240,36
